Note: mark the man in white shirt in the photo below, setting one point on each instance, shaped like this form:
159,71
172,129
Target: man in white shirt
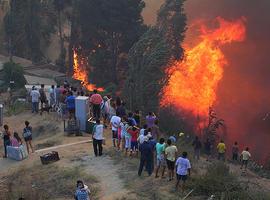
115,123
35,95
245,155
182,170
98,138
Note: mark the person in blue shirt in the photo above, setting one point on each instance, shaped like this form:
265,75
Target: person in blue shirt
70,101
131,119
152,143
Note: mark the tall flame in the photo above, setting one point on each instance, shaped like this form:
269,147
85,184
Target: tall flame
80,72
193,82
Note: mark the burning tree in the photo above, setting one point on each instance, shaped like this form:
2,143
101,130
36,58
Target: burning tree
214,123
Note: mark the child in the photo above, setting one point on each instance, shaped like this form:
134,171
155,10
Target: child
160,149
134,132
182,170
16,141
82,191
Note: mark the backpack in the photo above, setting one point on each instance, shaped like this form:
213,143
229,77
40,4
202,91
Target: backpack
27,132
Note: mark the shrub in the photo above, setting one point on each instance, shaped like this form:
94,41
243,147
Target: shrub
14,72
224,185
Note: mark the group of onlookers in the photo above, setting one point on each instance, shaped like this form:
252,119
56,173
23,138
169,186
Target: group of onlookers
221,151
129,135
15,140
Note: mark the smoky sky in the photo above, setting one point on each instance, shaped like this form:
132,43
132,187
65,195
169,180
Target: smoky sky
243,96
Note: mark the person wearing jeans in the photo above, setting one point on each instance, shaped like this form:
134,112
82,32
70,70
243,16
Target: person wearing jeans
98,138
35,95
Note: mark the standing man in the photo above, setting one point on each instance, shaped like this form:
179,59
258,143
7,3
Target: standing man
43,97
146,150
197,145
170,153
98,138
57,95
221,148
96,101
52,96
115,123
70,101
245,155
235,152
182,170
35,99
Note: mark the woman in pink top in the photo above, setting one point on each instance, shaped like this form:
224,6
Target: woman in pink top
16,141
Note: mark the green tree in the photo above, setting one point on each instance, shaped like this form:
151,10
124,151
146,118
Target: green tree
147,61
13,75
172,22
104,30
28,26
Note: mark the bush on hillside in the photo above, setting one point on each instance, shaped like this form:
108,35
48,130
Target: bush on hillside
218,181
13,72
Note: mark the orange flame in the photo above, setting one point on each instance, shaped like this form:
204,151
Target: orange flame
80,72
193,82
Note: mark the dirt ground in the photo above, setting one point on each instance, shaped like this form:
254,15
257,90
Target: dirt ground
110,185
116,173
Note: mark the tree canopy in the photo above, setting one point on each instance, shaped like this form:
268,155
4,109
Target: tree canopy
172,22
105,30
147,61
28,26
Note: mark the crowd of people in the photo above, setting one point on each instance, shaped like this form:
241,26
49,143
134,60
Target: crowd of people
131,133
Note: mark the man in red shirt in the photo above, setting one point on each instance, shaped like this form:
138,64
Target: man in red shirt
96,101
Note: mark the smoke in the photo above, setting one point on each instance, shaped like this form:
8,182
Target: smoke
150,11
244,92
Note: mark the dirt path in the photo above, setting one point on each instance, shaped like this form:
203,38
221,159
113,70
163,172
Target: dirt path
112,187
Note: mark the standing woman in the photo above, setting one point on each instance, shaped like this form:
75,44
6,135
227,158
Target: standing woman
98,138
6,139
27,135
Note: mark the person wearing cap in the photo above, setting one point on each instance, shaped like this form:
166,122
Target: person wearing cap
146,150
35,95
96,101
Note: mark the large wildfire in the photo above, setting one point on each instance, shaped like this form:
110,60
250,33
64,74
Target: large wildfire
193,82
80,72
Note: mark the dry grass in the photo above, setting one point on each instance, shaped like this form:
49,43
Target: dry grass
42,182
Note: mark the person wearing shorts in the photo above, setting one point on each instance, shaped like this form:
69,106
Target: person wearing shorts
160,149
27,135
170,153
134,132
182,170
115,123
245,155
